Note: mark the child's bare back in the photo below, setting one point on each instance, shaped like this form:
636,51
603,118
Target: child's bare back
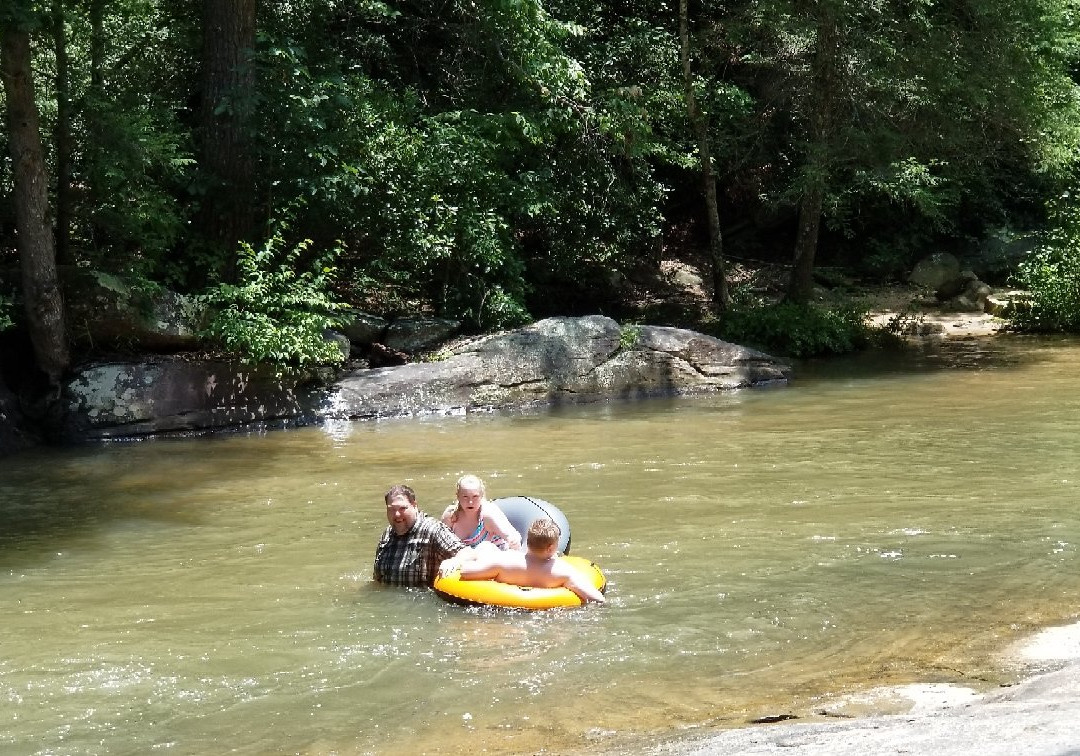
539,567
517,568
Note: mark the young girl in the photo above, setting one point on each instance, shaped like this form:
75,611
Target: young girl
477,521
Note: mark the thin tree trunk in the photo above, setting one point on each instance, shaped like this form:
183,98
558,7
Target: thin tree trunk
37,253
92,112
824,80
97,48
721,297
62,138
801,284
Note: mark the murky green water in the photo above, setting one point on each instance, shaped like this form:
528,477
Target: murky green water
869,524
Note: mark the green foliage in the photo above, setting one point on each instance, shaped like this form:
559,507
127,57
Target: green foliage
439,195
797,330
277,312
136,165
1052,275
628,336
473,157
420,199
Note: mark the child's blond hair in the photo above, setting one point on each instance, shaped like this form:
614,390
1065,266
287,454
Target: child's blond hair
543,533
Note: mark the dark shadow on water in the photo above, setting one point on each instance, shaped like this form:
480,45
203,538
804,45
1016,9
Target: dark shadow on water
1001,352
54,500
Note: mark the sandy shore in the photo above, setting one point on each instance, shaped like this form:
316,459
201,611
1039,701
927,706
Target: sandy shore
931,322
1040,715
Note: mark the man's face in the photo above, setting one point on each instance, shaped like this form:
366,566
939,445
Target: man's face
469,498
401,514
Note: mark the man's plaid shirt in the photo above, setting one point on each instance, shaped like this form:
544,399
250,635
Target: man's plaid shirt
413,559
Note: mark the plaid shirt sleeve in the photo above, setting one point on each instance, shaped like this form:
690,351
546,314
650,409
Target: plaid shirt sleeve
444,541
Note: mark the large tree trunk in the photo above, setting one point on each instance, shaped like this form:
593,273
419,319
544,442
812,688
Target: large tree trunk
721,297
824,81
37,254
227,214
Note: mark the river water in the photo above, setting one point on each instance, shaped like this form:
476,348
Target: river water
881,520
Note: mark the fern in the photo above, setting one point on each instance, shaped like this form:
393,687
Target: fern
278,312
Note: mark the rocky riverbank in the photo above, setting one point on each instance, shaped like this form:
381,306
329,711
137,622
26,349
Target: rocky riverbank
914,314
1036,716
550,362
554,361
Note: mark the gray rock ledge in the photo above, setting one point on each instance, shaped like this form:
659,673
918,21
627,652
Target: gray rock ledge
556,361
553,361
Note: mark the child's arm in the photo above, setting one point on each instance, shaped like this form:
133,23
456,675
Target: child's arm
482,567
583,587
496,519
448,514
465,556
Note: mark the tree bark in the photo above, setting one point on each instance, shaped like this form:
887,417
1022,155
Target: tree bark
37,253
721,297
801,284
824,82
227,214
62,137
97,48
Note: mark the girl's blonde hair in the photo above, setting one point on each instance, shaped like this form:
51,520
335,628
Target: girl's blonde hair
470,482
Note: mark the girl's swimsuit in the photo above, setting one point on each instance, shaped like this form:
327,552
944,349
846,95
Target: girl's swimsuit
483,534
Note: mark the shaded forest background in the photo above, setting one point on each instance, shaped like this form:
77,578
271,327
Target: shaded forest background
496,161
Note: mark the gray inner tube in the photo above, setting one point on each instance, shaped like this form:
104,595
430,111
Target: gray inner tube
523,510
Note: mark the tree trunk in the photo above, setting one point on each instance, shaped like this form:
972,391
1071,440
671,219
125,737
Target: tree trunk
801,284
62,137
721,297
824,81
37,253
227,214
97,48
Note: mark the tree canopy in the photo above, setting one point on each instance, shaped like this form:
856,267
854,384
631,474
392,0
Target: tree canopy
473,157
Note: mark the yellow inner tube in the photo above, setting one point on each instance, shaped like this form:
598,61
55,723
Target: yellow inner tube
493,593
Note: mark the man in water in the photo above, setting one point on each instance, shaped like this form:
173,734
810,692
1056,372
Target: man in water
415,547
539,567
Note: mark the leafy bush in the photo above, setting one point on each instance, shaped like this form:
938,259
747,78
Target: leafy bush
466,185
628,336
277,313
797,330
1052,275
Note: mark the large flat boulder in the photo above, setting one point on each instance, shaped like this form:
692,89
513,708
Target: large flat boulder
555,361
132,399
